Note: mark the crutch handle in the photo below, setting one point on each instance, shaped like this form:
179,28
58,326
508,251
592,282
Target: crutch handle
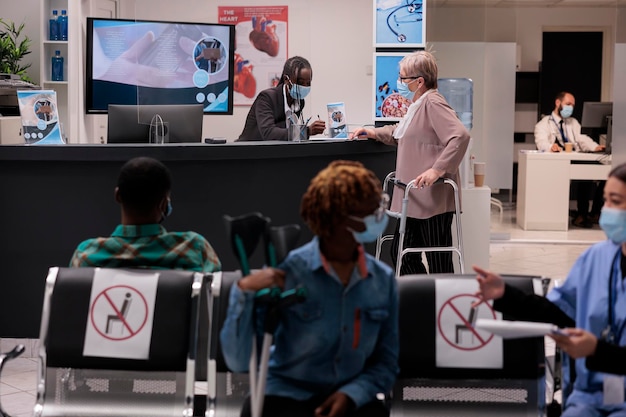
293,296
268,295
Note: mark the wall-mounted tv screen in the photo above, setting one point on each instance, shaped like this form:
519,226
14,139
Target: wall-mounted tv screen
153,62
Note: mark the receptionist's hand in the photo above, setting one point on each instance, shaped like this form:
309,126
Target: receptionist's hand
317,127
555,148
599,148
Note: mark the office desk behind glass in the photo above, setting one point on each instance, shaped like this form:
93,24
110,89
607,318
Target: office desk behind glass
543,185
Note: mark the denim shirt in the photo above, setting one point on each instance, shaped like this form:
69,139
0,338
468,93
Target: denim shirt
339,338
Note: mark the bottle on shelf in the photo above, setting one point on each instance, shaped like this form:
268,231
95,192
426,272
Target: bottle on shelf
63,25
54,26
57,66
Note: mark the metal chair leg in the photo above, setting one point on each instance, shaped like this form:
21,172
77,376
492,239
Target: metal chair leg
17,351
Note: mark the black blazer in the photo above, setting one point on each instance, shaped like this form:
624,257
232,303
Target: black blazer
266,118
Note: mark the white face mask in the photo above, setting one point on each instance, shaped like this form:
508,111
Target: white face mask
566,111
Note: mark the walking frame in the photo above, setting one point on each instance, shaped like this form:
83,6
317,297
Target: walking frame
401,216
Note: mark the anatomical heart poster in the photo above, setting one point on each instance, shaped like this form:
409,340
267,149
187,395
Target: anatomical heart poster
260,48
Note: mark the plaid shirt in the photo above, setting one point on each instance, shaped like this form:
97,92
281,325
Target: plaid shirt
147,246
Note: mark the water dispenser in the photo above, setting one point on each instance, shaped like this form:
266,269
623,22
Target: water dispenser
459,93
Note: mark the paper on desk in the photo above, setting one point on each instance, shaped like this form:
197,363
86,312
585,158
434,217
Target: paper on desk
516,329
326,138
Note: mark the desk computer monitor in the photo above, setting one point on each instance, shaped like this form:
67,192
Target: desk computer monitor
131,123
597,119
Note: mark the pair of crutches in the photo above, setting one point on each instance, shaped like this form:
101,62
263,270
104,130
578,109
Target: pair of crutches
275,301
245,232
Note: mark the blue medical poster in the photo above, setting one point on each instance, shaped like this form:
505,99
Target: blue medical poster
388,103
399,23
40,117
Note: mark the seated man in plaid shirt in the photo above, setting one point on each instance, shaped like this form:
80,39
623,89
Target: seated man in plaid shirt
143,191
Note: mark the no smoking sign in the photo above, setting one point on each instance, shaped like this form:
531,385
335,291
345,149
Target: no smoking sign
455,321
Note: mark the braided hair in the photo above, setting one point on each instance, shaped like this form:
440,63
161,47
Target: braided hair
334,192
292,68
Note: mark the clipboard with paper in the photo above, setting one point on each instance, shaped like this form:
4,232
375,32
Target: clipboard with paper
508,329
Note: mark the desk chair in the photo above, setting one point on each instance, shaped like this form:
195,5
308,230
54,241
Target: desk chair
424,388
74,383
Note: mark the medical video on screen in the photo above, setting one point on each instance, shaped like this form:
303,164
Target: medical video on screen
150,62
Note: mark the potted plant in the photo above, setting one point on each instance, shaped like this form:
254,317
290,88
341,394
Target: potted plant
13,47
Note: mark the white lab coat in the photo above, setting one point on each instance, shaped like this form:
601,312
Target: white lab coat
547,132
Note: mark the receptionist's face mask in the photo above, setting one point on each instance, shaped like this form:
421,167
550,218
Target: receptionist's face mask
298,92
566,111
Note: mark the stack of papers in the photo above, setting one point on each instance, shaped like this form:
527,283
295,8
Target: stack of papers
516,329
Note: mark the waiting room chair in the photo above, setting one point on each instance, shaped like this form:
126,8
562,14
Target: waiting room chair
428,387
82,369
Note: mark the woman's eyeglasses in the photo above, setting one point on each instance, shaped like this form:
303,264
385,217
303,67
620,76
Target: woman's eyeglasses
401,78
380,212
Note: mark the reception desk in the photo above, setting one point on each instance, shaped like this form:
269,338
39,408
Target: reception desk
544,183
53,197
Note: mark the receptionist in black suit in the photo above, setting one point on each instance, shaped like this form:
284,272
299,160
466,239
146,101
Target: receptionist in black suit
267,117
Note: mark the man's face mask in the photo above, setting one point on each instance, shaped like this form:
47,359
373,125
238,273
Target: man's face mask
566,111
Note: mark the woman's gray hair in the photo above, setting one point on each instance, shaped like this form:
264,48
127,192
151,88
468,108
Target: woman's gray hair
421,64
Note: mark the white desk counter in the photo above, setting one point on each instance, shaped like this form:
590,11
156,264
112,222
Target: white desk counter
543,185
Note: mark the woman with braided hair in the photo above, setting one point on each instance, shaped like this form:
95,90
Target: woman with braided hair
338,349
267,118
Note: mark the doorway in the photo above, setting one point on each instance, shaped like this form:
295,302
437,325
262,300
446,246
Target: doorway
571,61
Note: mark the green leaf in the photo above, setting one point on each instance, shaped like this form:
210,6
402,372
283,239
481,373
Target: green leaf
13,48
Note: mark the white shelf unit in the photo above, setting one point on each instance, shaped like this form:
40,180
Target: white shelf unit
67,90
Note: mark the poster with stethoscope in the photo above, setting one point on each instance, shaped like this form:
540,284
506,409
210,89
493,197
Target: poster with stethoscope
389,105
399,23
261,48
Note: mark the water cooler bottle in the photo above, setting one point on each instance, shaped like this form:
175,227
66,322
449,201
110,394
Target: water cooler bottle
459,93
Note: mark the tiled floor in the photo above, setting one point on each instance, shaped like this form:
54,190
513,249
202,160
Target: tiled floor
512,250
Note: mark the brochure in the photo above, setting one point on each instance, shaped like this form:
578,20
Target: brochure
40,117
337,127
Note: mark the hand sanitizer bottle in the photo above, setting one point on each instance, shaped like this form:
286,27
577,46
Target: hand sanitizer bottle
63,25
57,66
54,26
